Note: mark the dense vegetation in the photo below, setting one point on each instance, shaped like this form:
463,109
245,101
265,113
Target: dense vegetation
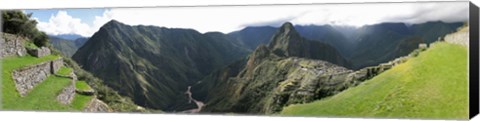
432,85
16,22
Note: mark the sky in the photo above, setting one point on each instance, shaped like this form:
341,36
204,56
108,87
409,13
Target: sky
226,19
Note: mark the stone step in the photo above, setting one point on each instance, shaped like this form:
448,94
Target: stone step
68,93
83,88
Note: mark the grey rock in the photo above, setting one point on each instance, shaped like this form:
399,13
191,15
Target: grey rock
11,45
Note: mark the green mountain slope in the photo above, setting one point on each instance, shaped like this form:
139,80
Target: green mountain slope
288,71
66,47
432,85
155,65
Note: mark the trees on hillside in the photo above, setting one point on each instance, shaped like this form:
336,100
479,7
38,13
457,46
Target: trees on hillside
17,22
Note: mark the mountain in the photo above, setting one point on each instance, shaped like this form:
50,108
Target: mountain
68,36
272,76
65,46
364,46
251,37
332,35
288,42
80,41
155,65
383,42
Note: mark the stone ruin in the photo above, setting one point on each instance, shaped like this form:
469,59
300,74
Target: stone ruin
27,78
11,45
39,52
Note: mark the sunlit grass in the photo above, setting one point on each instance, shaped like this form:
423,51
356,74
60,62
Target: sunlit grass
432,85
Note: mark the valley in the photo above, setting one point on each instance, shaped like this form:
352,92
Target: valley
319,62
243,71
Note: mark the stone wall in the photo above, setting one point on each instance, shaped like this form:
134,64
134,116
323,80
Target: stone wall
56,65
11,45
96,105
460,37
67,94
28,77
39,52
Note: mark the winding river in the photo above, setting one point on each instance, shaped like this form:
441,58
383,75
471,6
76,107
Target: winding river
199,104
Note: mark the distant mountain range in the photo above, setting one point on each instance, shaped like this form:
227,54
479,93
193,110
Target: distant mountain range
68,36
155,65
67,47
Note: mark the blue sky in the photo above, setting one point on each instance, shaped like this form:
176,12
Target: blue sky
86,15
226,19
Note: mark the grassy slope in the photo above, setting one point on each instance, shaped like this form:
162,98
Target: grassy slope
432,85
43,96
64,71
81,100
82,85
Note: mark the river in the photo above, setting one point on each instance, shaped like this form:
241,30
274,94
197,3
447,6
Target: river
199,104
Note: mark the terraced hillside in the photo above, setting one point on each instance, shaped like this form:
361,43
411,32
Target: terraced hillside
35,79
431,85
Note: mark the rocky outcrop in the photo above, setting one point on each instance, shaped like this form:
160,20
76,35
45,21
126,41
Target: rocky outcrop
11,45
67,94
96,105
39,52
28,77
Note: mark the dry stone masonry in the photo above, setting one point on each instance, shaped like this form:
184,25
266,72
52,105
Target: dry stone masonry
39,52
68,93
27,78
11,45
56,65
460,37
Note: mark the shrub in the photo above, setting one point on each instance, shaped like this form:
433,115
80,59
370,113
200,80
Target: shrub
17,22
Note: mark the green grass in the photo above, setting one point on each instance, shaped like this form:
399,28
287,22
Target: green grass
29,44
432,85
80,101
64,71
8,65
82,85
43,96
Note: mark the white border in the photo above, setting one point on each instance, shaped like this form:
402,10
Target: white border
71,116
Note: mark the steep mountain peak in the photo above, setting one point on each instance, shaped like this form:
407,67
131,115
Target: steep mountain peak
287,26
113,24
113,21
286,40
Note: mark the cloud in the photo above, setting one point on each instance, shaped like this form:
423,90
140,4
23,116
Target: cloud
231,18
62,23
227,19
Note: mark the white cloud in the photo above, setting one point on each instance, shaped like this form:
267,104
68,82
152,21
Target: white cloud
227,19
230,18
62,23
